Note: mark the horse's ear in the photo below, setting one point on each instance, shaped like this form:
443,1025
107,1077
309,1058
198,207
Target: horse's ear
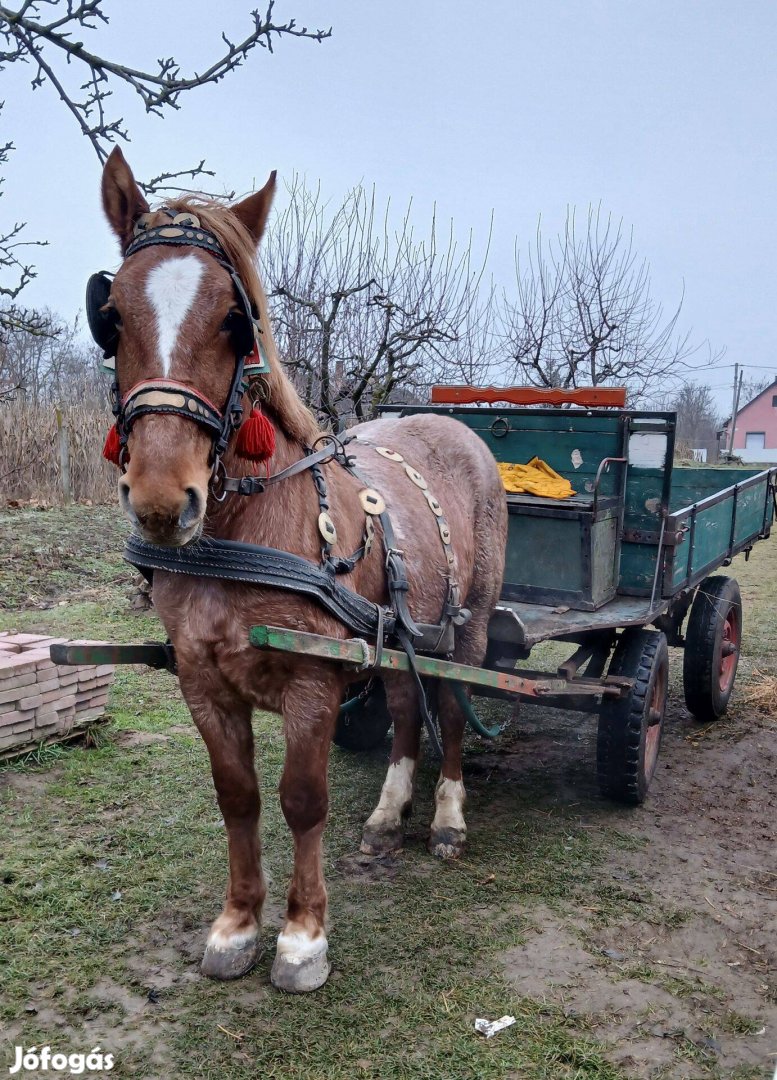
254,211
123,200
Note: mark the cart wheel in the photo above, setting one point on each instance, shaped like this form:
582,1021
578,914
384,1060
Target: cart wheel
364,717
712,642
630,727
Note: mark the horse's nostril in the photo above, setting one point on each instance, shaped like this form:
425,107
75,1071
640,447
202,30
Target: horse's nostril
192,512
124,498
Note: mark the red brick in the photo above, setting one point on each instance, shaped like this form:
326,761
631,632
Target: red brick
45,685
15,665
9,740
62,703
11,687
55,695
30,703
9,719
25,640
90,714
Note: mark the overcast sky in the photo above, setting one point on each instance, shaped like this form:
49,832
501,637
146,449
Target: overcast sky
665,112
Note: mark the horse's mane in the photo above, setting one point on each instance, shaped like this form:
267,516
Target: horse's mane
283,400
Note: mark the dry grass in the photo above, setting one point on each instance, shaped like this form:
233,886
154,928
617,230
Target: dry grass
30,459
761,693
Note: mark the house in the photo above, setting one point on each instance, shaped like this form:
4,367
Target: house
755,435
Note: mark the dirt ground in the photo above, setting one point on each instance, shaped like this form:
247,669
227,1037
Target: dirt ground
706,846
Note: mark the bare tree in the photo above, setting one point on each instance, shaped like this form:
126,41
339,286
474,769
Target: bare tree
365,311
583,314
697,416
751,388
15,271
50,36
54,367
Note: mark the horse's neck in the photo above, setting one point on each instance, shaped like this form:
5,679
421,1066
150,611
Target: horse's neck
285,514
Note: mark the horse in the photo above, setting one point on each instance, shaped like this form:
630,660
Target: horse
174,311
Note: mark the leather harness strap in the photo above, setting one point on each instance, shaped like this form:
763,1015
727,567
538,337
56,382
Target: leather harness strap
228,560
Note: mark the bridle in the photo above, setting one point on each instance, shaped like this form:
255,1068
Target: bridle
169,396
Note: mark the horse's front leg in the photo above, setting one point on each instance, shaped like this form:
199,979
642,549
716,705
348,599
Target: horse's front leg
224,721
309,713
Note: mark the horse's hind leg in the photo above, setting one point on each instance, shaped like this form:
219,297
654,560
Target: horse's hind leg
383,831
449,830
310,709
224,721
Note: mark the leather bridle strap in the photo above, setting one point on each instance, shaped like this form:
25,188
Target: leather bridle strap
169,396
255,485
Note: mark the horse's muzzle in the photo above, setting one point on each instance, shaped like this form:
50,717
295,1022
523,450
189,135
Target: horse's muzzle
159,522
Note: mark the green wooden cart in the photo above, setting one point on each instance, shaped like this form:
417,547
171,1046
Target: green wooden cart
614,570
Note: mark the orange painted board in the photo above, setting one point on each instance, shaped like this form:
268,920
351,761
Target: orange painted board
612,397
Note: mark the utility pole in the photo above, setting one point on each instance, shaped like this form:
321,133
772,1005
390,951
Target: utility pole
738,391
733,411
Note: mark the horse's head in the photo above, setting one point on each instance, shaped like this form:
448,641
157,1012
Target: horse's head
181,323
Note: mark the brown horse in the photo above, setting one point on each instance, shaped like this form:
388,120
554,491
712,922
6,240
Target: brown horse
172,307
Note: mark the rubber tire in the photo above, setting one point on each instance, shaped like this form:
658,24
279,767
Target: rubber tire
703,643
623,772
366,726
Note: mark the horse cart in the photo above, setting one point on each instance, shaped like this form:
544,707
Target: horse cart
621,570
613,570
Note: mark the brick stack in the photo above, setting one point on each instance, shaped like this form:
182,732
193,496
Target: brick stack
42,701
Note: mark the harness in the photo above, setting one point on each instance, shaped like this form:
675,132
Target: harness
250,563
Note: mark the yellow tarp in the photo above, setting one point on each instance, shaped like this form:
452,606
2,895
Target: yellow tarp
534,478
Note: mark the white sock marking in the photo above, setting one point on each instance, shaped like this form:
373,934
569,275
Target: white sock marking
296,946
397,792
226,942
171,289
449,801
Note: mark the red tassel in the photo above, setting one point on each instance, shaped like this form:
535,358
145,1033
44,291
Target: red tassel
112,448
256,438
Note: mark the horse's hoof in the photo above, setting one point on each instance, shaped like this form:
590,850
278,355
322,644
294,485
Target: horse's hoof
226,963
383,841
447,843
300,975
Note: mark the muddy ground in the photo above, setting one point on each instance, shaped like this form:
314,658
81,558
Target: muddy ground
706,855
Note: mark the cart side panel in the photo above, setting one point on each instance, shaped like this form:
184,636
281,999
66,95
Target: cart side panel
716,528
692,484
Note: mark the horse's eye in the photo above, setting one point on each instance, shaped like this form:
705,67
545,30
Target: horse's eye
111,317
230,322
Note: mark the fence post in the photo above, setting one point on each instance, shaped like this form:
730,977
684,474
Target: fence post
64,456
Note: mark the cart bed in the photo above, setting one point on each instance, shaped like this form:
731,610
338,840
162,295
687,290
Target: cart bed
525,624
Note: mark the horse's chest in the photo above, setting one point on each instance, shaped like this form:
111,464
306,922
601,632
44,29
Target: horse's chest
209,626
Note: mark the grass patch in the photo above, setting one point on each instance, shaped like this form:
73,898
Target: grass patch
117,864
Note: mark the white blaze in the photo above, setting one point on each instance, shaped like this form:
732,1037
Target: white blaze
171,289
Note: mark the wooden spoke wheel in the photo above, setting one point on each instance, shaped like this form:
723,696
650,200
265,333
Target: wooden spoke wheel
712,642
630,727
364,718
